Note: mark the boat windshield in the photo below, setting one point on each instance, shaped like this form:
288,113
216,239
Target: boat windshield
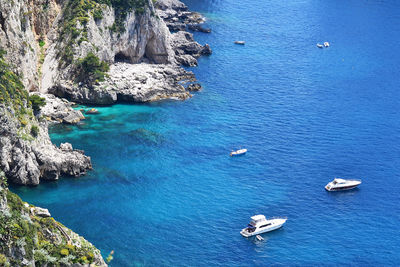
250,228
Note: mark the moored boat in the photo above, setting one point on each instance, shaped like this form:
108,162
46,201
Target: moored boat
240,42
320,45
326,44
238,152
339,184
259,224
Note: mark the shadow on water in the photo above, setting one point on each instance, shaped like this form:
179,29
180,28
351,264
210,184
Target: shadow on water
114,176
340,193
144,136
60,128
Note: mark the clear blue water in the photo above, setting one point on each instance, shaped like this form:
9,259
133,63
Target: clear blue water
164,190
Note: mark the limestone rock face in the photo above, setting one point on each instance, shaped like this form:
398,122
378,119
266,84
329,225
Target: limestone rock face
22,24
26,160
145,39
16,36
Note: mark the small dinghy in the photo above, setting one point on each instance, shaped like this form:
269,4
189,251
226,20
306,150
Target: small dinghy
92,111
320,45
259,238
240,42
326,44
238,152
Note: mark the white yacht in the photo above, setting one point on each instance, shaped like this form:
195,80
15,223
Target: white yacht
259,224
342,184
238,152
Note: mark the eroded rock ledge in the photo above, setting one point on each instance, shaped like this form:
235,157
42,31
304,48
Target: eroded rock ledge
26,159
133,83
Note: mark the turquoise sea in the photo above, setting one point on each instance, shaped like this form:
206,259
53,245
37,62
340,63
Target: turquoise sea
164,191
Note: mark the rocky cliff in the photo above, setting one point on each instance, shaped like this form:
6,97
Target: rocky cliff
142,37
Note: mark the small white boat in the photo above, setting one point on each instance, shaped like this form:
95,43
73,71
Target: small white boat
326,44
320,45
259,238
240,42
259,224
238,152
341,184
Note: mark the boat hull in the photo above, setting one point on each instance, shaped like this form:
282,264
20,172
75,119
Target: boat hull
276,226
237,154
340,188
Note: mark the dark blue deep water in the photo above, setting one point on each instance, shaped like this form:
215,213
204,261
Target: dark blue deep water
164,190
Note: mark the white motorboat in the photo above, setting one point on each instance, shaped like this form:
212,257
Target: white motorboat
326,44
238,152
259,224
240,42
320,45
341,184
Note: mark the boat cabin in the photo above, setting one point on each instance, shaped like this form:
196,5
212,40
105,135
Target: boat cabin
338,181
257,221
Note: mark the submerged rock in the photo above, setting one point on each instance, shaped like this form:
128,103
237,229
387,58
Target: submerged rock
198,28
194,87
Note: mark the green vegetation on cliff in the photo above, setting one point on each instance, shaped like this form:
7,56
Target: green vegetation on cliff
91,70
14,95
24,236
12,90
37,102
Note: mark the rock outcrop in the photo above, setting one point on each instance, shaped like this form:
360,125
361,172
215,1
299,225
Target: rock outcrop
59,110
27,159
187,50
177,15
